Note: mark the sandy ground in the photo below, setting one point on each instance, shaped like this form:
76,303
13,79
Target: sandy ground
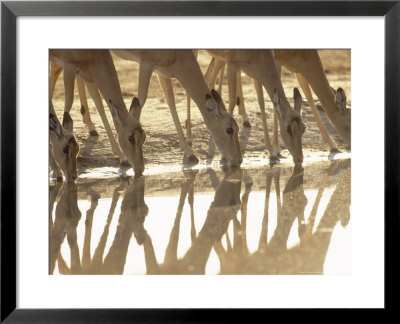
162,146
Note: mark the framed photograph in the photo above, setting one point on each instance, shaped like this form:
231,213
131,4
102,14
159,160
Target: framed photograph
233,222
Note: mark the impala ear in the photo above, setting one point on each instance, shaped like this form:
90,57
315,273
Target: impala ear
298,100
135,109
219,100
54,125
216,96
114,112
340,100
212,106
277,103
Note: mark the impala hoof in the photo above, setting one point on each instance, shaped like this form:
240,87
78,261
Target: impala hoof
273,160
124,163
298,167
280,156
93,133
246,123
332,153
193,159
122,172
223,162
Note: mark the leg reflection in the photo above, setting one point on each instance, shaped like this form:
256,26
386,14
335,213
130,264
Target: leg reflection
223,209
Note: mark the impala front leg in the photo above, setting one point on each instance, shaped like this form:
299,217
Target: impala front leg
275,135
145,72
240,101
55,71
94,93
188,122
275,138
221,79
69,80
166,86
273,156
209,70
307,92
231,73
211,75
85,108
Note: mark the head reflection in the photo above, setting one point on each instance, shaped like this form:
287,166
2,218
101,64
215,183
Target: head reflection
133,213
67,216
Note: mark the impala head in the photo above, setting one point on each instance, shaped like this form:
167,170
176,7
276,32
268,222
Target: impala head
292,126
64,146
131,135
224,129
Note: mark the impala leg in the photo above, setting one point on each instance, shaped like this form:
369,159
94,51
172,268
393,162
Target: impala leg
55,71
188,122
273,156
240,101
307,92
271,82
166,86
94,93
231,72
145,72
275,138
69,81
85,108
210,68
221,79
211,77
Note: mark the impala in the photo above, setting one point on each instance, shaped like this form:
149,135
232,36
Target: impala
96,68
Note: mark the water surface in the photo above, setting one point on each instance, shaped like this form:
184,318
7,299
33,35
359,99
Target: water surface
254,220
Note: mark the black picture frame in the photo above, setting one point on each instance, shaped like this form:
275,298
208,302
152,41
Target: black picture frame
10,10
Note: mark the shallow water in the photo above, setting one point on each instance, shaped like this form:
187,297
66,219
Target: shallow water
203,220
